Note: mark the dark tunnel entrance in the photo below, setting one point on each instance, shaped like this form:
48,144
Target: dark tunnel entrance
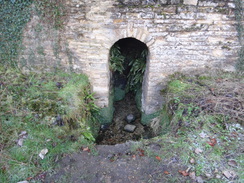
127,62
128,59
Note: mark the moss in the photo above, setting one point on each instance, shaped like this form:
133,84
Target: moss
177,86
119,94
105,115
138,98
146,118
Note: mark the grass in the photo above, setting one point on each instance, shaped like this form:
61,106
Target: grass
201,104
191,117
31,102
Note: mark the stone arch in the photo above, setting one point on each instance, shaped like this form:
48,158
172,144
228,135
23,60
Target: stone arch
124,42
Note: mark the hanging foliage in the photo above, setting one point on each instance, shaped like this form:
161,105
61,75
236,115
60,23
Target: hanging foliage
116,59
128,63
135,76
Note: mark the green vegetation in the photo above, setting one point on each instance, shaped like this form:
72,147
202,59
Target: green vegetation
136,65
116,59
13,17
56,110
14,14
206,126
198,107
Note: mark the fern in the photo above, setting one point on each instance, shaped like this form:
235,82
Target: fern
135,76
116,59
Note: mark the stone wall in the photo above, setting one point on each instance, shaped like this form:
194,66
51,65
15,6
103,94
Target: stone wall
181,35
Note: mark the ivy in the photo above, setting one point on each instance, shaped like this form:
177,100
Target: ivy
14,14
51,12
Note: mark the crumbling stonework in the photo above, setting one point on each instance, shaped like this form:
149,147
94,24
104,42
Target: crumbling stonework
181,35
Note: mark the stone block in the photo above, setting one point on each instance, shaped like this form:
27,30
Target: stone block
130,128
163,2
191,2
175,1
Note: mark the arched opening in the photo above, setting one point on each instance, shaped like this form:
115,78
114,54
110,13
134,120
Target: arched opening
128,58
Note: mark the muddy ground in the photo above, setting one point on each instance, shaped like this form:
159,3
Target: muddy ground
117,164
115,133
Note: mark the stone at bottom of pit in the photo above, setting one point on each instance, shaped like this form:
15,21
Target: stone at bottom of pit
130,128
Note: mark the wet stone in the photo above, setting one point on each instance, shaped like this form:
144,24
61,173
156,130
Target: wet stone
130,118
104,127
130,128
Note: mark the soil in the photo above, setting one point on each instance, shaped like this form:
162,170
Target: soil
211,152
116,164
115,133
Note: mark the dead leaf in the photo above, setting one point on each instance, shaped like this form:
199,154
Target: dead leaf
141,152
229,174
198,150
184,173
166,172
133,157
158,158
86,149
232,163
20,142
43,153
29,178
23,134
212,142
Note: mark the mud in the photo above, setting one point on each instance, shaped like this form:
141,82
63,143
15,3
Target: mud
115,133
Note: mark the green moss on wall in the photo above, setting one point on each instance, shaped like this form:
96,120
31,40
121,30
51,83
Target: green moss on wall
146,118
138,98
119,94
105,115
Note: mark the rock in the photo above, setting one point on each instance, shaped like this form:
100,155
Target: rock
104,127
130,128
130,118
